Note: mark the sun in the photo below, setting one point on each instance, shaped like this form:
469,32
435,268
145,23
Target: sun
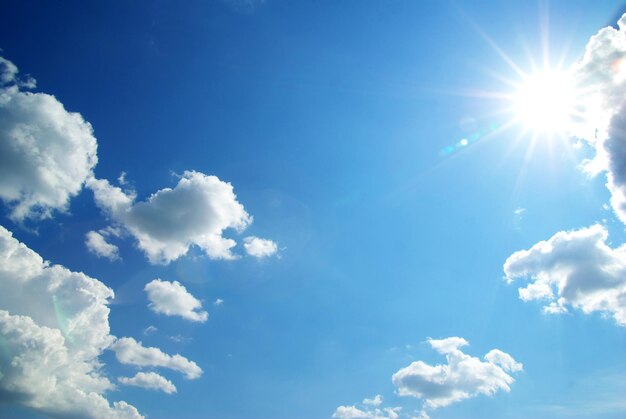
544,102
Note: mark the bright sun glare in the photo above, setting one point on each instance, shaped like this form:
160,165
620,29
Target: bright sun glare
544,102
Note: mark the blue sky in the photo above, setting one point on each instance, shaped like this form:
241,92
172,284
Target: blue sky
362,232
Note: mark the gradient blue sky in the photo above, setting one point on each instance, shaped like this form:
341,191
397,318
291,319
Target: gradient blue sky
328,118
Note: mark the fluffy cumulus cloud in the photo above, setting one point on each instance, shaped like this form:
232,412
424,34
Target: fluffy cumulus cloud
576,269
370,409
259,248
173,299
463,376
97,244
129,351
149,380
374,401
196,211
54,325
46,152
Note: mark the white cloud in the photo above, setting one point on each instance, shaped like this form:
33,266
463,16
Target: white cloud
46,152
129,351
218,302
349,412
54,325
149,380
258,247
173,299
375,401
96,243
180,338
601,76
370,409
462,377
352,412
196,211
149,330
575,268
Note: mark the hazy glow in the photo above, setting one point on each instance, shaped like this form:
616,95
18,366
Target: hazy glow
544,102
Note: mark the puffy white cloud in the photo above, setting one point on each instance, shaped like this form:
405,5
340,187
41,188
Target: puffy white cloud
149,380
195,212
370,409
54,325
375,401
129,351
353,412
349,412
46,152
97,244
575,268
173,299
462,377
258,247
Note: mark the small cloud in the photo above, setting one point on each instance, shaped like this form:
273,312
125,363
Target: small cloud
149,380
259,248
554,308
180,339
370,409
375,401
519,211
129,351
173,299
149,330
99,246
8,71
218,302
122,179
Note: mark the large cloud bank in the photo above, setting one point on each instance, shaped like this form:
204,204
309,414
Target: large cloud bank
46,152
463,376
578,268
54,325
